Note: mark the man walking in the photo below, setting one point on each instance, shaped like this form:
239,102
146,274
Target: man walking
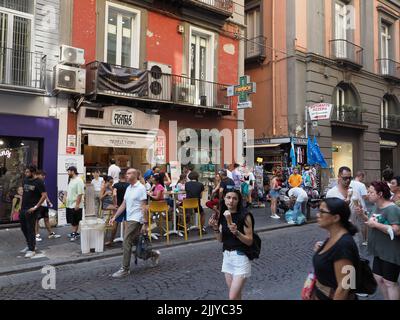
136,218
43,212
97,184
114,171
74,202
32,199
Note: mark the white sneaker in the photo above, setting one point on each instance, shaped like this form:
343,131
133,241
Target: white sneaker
38,239
275,216
291,222
24,250
156,260
362,295
121,273
53,235
30,254
365,243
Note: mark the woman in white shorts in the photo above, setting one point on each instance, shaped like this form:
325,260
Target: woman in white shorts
235,230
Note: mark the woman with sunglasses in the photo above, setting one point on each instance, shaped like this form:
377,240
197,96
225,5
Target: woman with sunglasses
337,255
384,239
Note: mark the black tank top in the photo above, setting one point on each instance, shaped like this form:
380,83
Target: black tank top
229,240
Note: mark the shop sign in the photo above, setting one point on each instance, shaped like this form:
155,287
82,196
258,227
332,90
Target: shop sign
300,141
388,143
120,141
260,160
243,90
122,119
71,150
5,153
320,111
71,140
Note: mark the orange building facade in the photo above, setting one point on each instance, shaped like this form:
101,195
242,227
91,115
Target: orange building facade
342,52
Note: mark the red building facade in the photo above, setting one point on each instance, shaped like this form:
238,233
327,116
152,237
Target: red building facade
162,63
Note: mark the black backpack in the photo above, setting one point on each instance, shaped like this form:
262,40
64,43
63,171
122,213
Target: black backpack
253,252
143,248
365,280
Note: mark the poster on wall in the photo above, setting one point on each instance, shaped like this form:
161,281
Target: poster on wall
64,162
175,167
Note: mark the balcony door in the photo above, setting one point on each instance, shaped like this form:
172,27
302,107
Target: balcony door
17,61
340,102
385,39
253,22
340,30
202,67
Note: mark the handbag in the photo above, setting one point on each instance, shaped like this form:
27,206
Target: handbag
253,252
15,216
365,280
214,219
309,286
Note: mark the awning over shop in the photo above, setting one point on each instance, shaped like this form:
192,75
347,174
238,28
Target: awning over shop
263,146
120,140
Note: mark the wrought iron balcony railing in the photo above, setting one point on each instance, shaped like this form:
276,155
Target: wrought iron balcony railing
389,68
347,113
255,48
118,81
391,122
220,5
22,69
346,51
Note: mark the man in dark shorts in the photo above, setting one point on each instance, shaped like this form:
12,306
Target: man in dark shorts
74,202
119,190
32,199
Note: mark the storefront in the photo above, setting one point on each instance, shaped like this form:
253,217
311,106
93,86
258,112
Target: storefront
117,132
25,141
389,150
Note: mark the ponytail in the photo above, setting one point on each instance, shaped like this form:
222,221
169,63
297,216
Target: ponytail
351,228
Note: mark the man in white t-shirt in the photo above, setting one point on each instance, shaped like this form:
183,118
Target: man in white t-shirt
301,198
136,220
114,171
351,196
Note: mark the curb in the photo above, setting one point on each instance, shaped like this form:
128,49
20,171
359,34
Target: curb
118,252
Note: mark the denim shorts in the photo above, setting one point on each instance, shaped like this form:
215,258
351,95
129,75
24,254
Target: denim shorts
274,194
236,263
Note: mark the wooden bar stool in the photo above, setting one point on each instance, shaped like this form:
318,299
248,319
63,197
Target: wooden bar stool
159,207
190,204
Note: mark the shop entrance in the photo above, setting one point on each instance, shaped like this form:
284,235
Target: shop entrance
386,158
99,149
342,155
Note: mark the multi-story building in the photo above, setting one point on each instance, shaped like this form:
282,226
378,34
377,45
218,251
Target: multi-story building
155,65
342,52
29,115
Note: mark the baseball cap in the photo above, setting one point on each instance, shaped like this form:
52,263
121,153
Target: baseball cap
74,169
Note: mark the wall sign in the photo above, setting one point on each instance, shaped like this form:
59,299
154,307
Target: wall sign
123,119
320,111
5,153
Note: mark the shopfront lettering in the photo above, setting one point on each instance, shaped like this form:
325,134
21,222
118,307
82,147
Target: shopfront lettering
122,119
5,153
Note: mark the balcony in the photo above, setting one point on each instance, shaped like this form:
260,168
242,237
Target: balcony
390,123
155,89
346,53
255,49
22,71
347,116
389,69
214,12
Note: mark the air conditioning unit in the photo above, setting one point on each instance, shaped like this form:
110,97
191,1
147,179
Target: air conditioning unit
72,56
183,94
69,79
160,81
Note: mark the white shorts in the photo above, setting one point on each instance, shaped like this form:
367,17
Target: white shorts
236,264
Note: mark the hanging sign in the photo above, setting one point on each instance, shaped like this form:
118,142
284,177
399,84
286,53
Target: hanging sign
320,111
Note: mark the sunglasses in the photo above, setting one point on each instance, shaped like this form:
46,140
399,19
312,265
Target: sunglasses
347,178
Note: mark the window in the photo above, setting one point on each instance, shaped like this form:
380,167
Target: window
341,29
385,40
254,32
16,57
122,35
384,113
340,102
201,66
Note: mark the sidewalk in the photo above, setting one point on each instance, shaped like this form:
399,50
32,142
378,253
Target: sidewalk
61,251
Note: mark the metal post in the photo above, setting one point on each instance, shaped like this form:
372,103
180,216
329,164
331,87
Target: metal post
306,122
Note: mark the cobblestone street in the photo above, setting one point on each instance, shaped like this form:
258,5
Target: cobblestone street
186,272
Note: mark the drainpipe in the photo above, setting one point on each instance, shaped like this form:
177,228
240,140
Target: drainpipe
273,72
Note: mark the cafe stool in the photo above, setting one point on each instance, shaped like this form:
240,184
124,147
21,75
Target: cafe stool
159,207
190,204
